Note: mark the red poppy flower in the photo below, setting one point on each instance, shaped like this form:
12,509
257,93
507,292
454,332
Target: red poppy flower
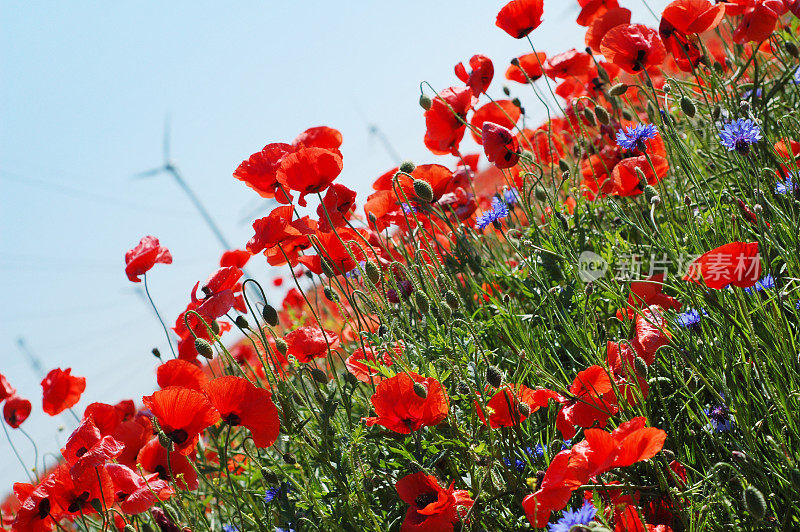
336,208
593,401
310,342
183,414
180,373
445,120
309,170
693,16
6,390
520,17
793,6
500,145
235,257
530,64
155,459
87,449
16,410
625,179
38,510
503,407
759,18
592,9
319,137
600,25
219,292
479,77
501,112
375,357
133,434
241,403
260,172
431,507
568,64
633,47
439,177
143,257
134,493
400,409
737,263
60,391
273,229
646,293
105,417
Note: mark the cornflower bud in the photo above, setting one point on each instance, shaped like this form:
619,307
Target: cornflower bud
373,272
270,315
204,348
602,115
425,102
688,108
407,167
281,346
618,90
420,390
494,376
754,502
241,322
423,190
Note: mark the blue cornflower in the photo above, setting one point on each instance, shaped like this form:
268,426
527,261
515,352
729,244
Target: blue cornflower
570,518
748,94
497,212
408,208
279,529
229,528
535,452
720,418
739,135
518,464
511,196
787,186
796,79
277,491
768,281
631,137
690,318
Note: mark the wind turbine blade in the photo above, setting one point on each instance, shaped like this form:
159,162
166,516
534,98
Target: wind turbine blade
166,144
148,173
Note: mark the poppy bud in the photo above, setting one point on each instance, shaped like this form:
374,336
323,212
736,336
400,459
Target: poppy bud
791,48
754,502
425,102
451,299
640,367
319,376
268,476
589,116
642,178
97,505
668,455
524,409
215,326
794,476
280,345
515,62
494,376
372,218
688,108
129,528
350,379
517,102
172,513
407,167
589,290
270,315
666,88
561,218
164,440
539,193
446,313
563,165
156,353
423,190
650,194
462,388
373,273
420,390
602,115
241,322
204,348
383,330
330,295
423,304
716,112
687,201
326,267
627,115
506,91
290,458
618,90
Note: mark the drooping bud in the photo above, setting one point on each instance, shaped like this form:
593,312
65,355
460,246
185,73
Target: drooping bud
407,167
425,102
791,49
539,193
602,115
420,390
215,326
589,116
281,346
563,165
506,91
451,299
97,504
524,409
494,376
423,304
373,272
204,348
319,375
156,353
423,190
241,322
642,178
289,458
640,367
618,90
627,115
270,315
716,112
650,194
326,267
330,295
688,108
754,502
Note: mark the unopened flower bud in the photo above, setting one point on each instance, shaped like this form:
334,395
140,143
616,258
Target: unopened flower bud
451,299
688,108
319,375
627,115
462,388
420,390
215,326
270,315
589,117
326,267
423,304
330,295
602,115
515,62
241,322
642,178
129,528
289,458
640,367
540,194
754,502
423,190
269,476
791,49
618,90
716,112
650,193
524,409
373,272
516,102
494,376
563,165
425,102
204,348
156,353
407,167
506,91
164,440
281,346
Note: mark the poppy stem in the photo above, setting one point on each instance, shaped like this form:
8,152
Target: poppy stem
16,453
166,332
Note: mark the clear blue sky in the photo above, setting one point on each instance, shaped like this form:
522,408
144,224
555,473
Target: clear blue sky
84,91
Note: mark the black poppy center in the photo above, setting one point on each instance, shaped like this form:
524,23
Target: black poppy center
425,499
44,508
233,419
162,472
178,436
78,502
80,452
121,496
638,63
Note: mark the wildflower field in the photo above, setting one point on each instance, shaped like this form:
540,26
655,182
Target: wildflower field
592,324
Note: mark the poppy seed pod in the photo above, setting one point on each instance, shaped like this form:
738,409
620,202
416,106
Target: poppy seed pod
602,115
270,315
451,299
425,102
618,90
204,348
326,267
319,375
423,304
754,502
494,376
407,167
241,322
281,346
420,390
373,272
688,108
269,476
423,190
515,62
